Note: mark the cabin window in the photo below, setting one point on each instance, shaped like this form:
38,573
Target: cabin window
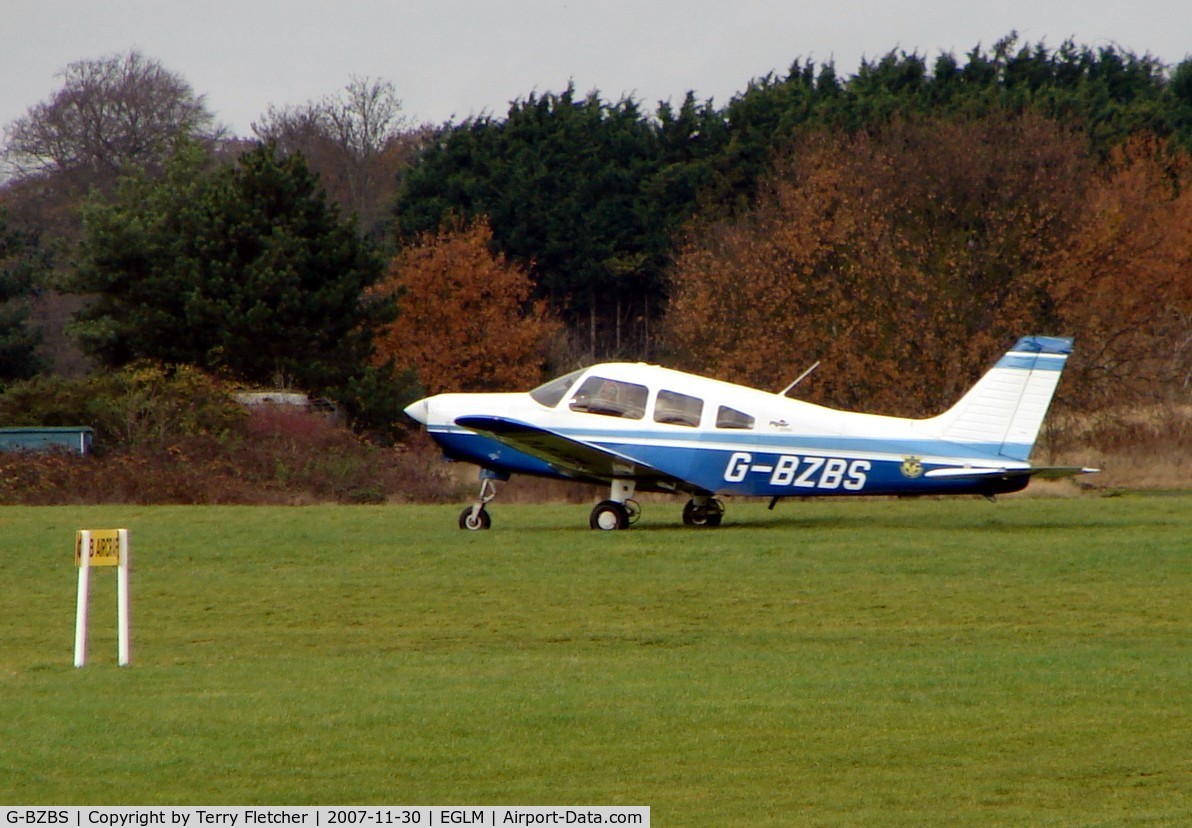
611,398
731,418
678,409
550,393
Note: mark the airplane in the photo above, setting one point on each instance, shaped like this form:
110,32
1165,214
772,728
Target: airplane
639,427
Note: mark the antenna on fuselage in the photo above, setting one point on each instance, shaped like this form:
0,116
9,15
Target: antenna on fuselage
799,379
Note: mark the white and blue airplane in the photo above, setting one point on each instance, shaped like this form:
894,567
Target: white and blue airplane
639,427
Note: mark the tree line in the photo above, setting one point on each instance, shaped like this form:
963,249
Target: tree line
901,224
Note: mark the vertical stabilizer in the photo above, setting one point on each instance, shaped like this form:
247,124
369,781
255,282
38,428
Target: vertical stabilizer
1005,409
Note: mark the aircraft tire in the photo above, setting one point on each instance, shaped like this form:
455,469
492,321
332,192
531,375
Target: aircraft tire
480,522
608,515
709,515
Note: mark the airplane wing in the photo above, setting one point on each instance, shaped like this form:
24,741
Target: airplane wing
568,455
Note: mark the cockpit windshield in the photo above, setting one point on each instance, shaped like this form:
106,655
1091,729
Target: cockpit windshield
550,393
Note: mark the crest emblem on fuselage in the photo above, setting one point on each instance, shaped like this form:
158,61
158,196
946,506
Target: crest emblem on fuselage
912,467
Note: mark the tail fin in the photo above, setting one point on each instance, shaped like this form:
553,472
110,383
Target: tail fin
1005,409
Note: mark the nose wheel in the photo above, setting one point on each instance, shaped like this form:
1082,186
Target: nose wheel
475,517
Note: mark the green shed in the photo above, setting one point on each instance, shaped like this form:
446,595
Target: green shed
72,438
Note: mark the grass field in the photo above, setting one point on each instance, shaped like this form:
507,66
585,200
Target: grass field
869,663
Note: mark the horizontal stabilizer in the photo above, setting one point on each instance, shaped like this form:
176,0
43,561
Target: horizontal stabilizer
952,473
1044,472
1054,472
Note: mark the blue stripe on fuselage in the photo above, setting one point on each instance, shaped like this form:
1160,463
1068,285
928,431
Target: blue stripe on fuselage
790,471
632,441
795,473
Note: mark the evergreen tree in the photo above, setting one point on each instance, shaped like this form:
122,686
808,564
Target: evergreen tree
589,196
243,269
568,185
20,263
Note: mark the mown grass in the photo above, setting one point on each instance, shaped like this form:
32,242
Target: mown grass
875,663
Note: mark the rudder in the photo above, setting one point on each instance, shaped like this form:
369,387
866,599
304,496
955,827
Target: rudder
1005,409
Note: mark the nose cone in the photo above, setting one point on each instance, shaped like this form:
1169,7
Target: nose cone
418,411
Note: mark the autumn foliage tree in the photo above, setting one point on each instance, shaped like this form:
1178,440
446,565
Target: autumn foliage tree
1123,284
465,320
904,259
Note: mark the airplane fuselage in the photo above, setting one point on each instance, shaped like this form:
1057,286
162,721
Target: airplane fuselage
644,427
671,431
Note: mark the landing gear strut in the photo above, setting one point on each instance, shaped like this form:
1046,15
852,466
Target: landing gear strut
703,511
475,517
620,511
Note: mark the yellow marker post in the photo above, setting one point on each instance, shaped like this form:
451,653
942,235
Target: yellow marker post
102,547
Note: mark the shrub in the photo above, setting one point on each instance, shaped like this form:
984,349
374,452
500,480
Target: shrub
271,454
138,406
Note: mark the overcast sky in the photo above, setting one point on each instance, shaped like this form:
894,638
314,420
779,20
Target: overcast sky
453,58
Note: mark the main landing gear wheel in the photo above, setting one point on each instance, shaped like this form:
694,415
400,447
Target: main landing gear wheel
474,522
703,511
608,515
620,510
